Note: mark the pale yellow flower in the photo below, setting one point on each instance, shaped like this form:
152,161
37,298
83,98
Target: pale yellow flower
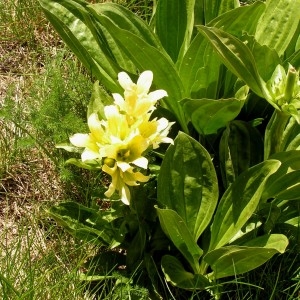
137,100
121,180
92,141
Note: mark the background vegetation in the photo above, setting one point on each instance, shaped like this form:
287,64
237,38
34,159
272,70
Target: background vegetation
43,96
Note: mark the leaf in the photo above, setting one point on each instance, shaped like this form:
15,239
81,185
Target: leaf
241,147
146,57
187,183
88,165
208,115
237,22
127,20
234,260
178,276
175,33
214,8
239,202
278,24
236,56
99,99
83,223
81,41
178,232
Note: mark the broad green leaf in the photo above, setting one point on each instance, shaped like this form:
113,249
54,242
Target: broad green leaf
278,24
146,57
214,8
286,187
266,58
241,147
187,183
127,20
236,56
83,223
178,276
237,21
284,184
239,202
208,116
81,41
178,232
234,260
174,25
88,165
199,68
98,100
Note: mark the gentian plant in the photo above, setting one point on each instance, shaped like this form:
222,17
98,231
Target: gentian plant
220,200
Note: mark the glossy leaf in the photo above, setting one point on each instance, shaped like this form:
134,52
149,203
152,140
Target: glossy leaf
178,232
234,260
214,8
98,100
208,116
174,34
278,24
83,223
81,40
241,147
236,56
239,202
178,276
146,57
187,183
237,22
127,20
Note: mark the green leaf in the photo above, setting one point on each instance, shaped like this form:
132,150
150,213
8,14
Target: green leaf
83,223
178,232
187,183
80,39
234,260
239,202
237,22
284,184
127,20
236,56
241,147
208,116
178,276
146,57
88,165
98,100
175,33
214,8
278,24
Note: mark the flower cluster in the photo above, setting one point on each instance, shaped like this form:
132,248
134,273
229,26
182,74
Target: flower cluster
122,139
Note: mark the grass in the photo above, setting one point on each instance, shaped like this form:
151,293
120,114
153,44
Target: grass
43,97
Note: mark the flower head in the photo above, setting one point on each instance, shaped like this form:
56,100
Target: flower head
122,139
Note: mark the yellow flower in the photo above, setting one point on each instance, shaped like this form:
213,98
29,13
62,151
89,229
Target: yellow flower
137,100
93,141
121,180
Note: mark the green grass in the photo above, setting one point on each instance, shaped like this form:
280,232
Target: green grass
43,96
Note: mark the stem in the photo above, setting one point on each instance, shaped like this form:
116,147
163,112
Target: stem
274,133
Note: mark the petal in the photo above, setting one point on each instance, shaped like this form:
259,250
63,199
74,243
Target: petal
123,166
124,80
158,94
119,100
80,139
95,127
141,162
88,154
144,82
125,195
